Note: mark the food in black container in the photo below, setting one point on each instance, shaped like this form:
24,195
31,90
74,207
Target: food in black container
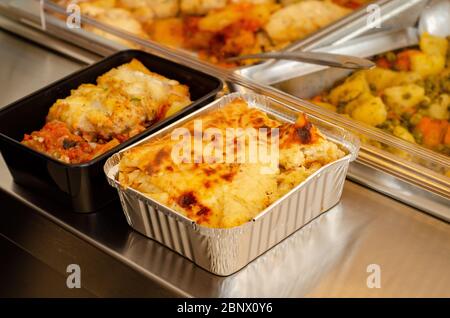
53,145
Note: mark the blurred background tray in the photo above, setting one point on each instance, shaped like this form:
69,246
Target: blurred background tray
414,183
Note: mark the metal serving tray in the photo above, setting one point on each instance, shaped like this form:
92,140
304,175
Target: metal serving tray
411,182
273,73
392,12
225,251
393,15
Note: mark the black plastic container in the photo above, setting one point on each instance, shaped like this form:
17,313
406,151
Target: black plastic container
83,187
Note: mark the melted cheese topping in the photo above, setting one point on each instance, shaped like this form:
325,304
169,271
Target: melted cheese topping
125,101
97,117
227,194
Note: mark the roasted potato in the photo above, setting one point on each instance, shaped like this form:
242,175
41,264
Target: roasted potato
371,111
440,108
355,86
404,98
427,65
403,133
433,45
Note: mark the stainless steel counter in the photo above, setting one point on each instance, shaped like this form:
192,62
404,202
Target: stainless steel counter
28,67
329,257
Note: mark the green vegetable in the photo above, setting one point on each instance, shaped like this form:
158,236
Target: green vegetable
418,136
391,57
415,119
432,87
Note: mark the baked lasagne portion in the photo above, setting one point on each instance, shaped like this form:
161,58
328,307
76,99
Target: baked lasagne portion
96,117
226,193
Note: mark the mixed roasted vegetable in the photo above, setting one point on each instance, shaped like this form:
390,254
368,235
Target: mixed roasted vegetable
407,94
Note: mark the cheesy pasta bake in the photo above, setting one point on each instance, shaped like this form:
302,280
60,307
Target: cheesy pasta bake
225,194
97,117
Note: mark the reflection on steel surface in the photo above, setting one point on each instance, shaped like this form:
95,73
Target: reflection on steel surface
328,257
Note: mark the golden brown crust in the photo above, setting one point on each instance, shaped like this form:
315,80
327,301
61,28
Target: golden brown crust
124,102
223,194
